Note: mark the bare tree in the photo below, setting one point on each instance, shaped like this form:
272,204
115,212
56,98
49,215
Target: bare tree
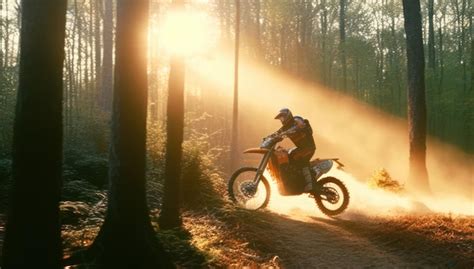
107,61
33,239
235,113
431,39
127,232
416,95
170,216
342,44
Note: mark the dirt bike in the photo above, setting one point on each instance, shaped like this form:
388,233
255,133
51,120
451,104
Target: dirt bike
249,188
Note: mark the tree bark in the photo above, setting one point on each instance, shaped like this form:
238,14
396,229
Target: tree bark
170,216
107,61
431,38
235,113
258,38
127,239
441,55
324,30
418,176
97,45
33,234
342,44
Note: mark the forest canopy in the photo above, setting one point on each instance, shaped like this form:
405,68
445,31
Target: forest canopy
302,38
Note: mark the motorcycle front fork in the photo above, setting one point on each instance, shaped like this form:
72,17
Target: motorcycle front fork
261,167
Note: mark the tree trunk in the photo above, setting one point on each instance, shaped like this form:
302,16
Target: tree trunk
33,231
463,46
258,39
107,61
324,30
441,56
7,35
431,38
97,45
234,154
342,44
170,215
470,144
418,176
127,239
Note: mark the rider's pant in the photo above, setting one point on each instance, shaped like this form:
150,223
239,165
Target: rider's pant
301,156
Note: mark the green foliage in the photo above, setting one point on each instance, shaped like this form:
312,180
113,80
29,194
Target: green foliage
156,139
382,179
178,243
8,84
5,169
80,165
80,190
202,183
94,169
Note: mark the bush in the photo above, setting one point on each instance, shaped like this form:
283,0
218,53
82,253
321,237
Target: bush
202,186
382,179
201,182
94,169
79,190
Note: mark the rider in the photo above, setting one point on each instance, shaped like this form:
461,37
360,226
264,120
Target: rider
299,131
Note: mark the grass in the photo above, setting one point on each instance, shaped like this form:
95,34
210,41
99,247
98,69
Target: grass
216,234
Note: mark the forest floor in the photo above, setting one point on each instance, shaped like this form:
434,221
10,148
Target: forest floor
401,242
263,239
218,235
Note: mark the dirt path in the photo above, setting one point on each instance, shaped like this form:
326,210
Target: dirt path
327,243
319,244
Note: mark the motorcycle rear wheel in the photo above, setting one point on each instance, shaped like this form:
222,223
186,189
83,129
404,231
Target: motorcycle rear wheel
329,195
240,189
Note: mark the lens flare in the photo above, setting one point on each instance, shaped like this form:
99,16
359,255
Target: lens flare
187,33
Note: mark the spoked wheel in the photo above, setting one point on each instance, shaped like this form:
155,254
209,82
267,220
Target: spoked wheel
243,191
333,196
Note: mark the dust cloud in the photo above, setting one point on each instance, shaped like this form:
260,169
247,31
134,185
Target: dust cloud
365,139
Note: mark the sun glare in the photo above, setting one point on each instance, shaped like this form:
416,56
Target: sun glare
187,33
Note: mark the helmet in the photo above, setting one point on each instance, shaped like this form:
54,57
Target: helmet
285,116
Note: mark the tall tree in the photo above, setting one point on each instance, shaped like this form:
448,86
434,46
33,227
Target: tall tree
107,62
97,40
170,216
235,113
342,44
431,39
470,134
418,176
33,239
324,31
126,239
258,35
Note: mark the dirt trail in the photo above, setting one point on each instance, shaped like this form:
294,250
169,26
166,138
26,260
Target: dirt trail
321,244
328,243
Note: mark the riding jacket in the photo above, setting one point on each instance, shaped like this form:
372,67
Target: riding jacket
299,131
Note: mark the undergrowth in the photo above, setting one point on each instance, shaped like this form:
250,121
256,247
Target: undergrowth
382,179
201,242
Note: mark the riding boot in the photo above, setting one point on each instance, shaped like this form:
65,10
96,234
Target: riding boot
308,179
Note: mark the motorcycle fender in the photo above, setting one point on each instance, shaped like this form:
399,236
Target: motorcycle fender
340,165
322,167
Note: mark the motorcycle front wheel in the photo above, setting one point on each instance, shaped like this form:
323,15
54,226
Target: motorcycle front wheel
244,193
333,197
